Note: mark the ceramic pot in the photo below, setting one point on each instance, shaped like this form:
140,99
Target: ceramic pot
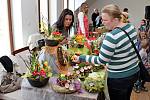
37,82
49,42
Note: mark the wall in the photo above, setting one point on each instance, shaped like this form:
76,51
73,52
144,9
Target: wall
136,12
25,20
56,7
29,18
53,13
17,23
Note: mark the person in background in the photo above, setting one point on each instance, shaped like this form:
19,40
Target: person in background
143,48
144,55
95,14
142,26
126,15
98,21
64,25
125,10
117,54
139,85
83,23
141,36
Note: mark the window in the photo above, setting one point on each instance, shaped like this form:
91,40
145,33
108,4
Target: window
65,4
44,20
4,29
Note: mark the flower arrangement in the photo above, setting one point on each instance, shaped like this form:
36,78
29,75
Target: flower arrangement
78,40
95,47
66,83
55,36
53,39
82,70
95,82
36,70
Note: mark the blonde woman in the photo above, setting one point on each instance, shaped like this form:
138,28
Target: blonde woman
117,53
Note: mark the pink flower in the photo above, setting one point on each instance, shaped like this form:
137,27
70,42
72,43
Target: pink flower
82,70
69,73
77,72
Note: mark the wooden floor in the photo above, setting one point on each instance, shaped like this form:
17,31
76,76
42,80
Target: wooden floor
141,95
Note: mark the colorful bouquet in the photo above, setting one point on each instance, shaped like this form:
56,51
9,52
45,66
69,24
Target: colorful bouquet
82,70
78,41
56,36
66,83
95,82
36,70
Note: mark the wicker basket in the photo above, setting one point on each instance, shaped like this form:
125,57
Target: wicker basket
60,89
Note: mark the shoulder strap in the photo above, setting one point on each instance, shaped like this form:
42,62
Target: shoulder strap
133,45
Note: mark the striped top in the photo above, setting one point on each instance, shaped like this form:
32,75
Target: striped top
117,53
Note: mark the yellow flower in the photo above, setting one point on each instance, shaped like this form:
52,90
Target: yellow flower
45,63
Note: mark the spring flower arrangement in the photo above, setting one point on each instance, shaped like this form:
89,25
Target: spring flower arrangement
78,41
53,39
95,82
37,71
66,83
82,70
55,36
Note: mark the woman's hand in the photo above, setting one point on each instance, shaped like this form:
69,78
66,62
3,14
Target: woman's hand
75,58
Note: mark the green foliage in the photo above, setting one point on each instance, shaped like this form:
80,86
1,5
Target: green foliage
95,82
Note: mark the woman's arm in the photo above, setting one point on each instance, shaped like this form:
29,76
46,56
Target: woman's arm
106,52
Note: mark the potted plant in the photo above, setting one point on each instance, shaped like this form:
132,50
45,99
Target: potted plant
53,39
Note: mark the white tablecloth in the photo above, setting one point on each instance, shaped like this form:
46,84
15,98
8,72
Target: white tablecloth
46,93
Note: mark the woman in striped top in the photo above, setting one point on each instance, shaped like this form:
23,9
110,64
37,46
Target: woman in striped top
117,53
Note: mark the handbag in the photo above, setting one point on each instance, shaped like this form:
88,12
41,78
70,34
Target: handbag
10,82
143,74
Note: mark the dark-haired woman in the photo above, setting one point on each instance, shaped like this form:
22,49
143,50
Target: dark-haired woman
64,24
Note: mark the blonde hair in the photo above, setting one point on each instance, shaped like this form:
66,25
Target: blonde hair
124,17
144,43
112,10
83,6
142,32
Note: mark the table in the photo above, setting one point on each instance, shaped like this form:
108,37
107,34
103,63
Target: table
46,93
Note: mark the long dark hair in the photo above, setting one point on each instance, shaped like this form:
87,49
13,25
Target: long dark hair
60,21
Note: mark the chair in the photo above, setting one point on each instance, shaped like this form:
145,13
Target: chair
19,57
20,50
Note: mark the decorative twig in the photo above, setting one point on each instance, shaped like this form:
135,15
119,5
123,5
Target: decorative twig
27,65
